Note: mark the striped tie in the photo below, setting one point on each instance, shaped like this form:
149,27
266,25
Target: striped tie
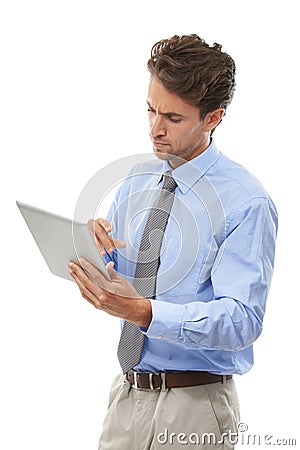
148,260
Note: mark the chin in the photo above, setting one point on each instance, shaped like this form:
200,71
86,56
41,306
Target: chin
174,160
161,155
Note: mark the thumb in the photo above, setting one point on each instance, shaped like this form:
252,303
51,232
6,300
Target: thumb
111,271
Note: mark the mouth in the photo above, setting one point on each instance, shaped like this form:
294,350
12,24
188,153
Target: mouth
159,144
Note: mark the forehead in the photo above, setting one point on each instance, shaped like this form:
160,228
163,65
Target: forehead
164,101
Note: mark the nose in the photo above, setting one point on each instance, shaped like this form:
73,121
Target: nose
157,126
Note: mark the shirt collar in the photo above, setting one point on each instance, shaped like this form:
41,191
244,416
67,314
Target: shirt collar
191,171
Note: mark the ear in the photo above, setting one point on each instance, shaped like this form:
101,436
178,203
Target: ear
213,118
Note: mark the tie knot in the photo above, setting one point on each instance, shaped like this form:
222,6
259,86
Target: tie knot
169,182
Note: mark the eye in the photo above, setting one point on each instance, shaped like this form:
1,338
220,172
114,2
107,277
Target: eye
174,120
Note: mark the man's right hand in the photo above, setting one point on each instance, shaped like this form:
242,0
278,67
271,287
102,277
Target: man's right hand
100,229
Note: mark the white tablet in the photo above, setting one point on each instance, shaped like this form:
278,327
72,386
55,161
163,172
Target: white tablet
61,240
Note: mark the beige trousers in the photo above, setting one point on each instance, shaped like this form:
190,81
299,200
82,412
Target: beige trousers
200,417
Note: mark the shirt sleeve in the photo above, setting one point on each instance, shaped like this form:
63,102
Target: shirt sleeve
240,277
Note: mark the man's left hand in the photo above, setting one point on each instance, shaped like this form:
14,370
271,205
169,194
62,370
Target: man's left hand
116,297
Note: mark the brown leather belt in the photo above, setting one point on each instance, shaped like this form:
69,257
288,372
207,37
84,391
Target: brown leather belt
166,380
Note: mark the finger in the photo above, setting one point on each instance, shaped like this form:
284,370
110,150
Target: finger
83,278
100,246
95,273
111,271
92,228
105,224
111,248
103,238
72,264
118,243
85,291
100,229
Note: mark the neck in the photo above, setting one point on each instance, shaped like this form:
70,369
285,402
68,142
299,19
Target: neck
177,161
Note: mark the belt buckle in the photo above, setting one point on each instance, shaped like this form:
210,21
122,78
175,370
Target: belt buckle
163,386
162,376
135,382
150,379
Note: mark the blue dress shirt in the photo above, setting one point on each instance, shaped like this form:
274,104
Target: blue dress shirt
216,262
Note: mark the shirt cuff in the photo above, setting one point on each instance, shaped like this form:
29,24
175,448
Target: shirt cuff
167,320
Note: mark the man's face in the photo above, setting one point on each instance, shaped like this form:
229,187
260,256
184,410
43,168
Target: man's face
175,126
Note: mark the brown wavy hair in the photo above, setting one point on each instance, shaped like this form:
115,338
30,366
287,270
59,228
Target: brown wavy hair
187,66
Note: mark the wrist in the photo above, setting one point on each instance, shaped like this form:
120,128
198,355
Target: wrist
143,313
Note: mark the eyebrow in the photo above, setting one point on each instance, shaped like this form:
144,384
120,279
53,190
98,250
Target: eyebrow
169,114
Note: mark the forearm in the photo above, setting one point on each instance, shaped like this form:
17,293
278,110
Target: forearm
219,324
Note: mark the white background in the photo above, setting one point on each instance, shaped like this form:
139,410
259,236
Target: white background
73,88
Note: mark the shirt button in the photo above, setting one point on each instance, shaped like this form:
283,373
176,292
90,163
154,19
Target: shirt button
160,336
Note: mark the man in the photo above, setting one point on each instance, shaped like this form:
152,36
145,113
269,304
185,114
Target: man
190,264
